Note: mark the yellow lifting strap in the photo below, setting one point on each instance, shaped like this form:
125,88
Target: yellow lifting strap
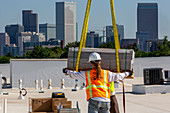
116,37
84,34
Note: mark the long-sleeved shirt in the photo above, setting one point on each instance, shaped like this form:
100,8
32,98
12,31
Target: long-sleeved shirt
111,78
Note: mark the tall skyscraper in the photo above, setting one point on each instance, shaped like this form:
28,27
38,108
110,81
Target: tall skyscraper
66,21
12,30
147,19
110,34
147,22
30,21
4,40
49,30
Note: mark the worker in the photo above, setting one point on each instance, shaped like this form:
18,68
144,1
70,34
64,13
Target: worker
97,84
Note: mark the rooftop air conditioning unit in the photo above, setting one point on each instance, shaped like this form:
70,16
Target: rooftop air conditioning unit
167,75
153,76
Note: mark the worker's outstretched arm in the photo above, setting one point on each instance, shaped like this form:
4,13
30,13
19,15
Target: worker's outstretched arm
118,76
75,75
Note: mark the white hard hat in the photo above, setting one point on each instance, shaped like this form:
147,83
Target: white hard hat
94,56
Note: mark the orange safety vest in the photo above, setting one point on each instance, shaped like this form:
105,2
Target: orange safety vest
97,87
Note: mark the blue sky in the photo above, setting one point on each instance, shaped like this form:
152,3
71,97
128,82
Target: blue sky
100,15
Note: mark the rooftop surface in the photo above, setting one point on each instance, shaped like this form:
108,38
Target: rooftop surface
135,103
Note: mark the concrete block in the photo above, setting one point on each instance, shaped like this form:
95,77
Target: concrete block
150,89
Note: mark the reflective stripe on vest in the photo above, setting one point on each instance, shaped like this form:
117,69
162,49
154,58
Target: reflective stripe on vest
90,89
90,86
112,89
105,83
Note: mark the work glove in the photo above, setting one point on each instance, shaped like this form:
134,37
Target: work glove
65,70
130,73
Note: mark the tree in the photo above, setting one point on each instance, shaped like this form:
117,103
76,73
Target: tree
107,45
129,47
16,56
28,54
72,44
56,52
4,59
37,52
65,50
164,48
9,55
135,48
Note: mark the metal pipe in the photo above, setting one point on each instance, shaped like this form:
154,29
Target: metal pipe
62,84
5,106
20,83
41,85
49,84
36,84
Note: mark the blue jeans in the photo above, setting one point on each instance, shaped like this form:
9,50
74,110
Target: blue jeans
98,106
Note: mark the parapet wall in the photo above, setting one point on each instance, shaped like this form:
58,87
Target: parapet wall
30,70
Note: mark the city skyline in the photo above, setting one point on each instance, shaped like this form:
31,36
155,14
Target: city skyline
126,14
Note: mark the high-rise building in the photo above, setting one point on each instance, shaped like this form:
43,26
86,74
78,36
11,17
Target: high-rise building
147,22
77,32
12,30
129,42
4,40
51,43
151,45
147,19
37,37
22,38
13,49
30,21
110,34
49,30
142,36
93,39
66,21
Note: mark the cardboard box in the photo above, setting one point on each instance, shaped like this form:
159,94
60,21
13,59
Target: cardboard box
56,101
45,112
40,105
66,103
67,106
42,112
56,111
59,99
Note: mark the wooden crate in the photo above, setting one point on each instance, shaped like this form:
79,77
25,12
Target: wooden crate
108,62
